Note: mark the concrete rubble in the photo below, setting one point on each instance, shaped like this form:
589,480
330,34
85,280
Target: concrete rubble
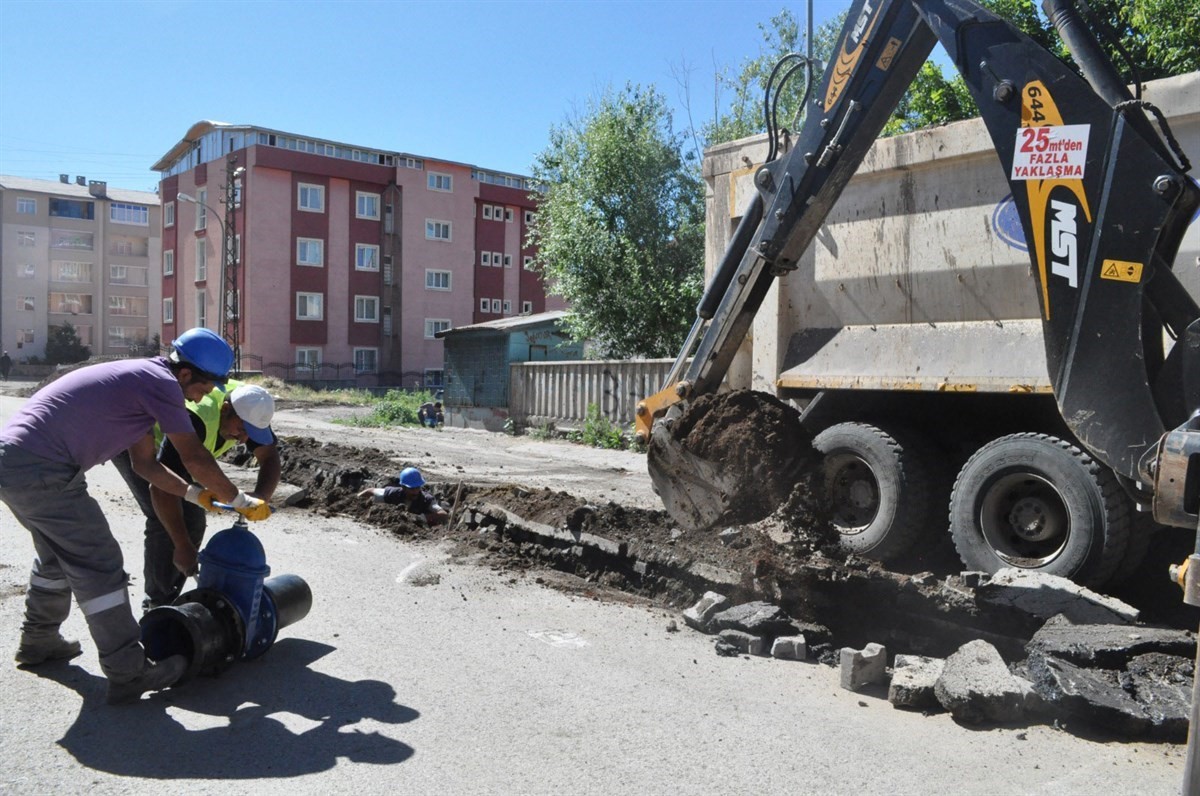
1080,656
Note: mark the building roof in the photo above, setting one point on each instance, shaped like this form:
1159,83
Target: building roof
512,324
202,128
71,189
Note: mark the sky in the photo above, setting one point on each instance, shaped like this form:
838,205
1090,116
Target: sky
103,89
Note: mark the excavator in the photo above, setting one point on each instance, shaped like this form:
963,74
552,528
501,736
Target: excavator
1101,189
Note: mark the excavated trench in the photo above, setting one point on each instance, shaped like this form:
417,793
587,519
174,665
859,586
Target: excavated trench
921,605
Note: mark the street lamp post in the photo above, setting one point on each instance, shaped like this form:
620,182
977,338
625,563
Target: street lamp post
230,304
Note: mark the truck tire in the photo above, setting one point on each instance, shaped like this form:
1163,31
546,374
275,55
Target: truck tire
878,485
1037,502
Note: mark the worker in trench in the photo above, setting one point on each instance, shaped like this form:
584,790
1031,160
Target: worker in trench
82,419
222,419
407,490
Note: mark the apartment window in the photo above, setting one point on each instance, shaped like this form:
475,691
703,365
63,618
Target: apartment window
435,379
437,230
84,331
168,310
508,215
128,275
496,306
366,257
201,308
201,209
72,208
26,238
26,303
311,198
497,259
366,205
79,241
438,181
485,258
508,261
507,307
485,305
435,325
308,358
527,263
128,305
487,212
24,336
526,307
169,214
437,280
121,213
310,306
366,360
529,216
310,251
366,309
169,262
71,303
27,207
497,212
201,260
387,269
125,336
61,271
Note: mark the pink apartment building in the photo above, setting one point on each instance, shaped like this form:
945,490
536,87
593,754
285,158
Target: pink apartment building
344,262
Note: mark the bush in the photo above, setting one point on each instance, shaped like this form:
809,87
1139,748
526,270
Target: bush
600,432
395,408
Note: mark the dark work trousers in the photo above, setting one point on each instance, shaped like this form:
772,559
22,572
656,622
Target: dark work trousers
76,554
163,581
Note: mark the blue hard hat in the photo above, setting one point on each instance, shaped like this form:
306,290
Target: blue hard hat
411,478
204,350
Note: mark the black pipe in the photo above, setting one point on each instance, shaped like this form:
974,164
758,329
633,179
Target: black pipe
292,598
731,260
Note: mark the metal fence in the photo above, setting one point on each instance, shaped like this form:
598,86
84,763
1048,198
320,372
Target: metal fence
559,393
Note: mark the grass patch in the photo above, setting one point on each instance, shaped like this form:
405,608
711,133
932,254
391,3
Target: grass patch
395,408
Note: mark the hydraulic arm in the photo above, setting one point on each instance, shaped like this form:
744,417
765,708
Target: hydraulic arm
1102,201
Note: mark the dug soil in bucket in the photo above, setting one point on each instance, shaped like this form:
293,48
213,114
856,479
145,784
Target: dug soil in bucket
730,458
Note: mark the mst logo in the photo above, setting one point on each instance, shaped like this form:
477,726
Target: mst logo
1063,241
850,52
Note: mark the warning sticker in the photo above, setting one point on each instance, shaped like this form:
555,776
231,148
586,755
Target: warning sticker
1121,271
1050,153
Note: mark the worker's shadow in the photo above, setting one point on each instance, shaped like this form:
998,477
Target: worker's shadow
273,717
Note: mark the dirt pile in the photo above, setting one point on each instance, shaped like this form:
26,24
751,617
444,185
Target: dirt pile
729,458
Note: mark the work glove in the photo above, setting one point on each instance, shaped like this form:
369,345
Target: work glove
251,508
201,497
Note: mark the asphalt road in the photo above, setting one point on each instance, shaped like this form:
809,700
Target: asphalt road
415,673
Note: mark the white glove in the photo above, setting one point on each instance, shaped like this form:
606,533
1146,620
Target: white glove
200,496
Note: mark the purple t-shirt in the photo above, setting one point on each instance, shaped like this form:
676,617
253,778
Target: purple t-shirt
91,414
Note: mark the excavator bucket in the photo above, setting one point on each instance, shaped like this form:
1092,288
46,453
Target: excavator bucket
728,458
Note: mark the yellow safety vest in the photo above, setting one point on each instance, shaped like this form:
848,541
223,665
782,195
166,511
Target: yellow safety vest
208,409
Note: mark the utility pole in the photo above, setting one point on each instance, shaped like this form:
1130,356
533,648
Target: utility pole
230,292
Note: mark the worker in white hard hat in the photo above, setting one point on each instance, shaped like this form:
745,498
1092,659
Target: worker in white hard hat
174,530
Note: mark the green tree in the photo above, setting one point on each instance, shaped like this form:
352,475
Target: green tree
620,225
1159,36
781,36
63,346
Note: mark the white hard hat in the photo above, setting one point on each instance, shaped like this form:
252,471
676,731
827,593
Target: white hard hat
255,407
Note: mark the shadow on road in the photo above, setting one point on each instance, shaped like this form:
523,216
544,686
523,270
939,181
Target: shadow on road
273,717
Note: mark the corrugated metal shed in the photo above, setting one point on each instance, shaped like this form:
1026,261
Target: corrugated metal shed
478,356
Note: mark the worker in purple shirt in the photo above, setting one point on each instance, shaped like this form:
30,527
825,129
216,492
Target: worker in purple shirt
80,420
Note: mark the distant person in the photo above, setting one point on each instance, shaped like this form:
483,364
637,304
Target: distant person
430,414
407,492
5,365
69,426
175,529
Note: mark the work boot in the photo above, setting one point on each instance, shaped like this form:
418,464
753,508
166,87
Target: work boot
31,652
155,677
